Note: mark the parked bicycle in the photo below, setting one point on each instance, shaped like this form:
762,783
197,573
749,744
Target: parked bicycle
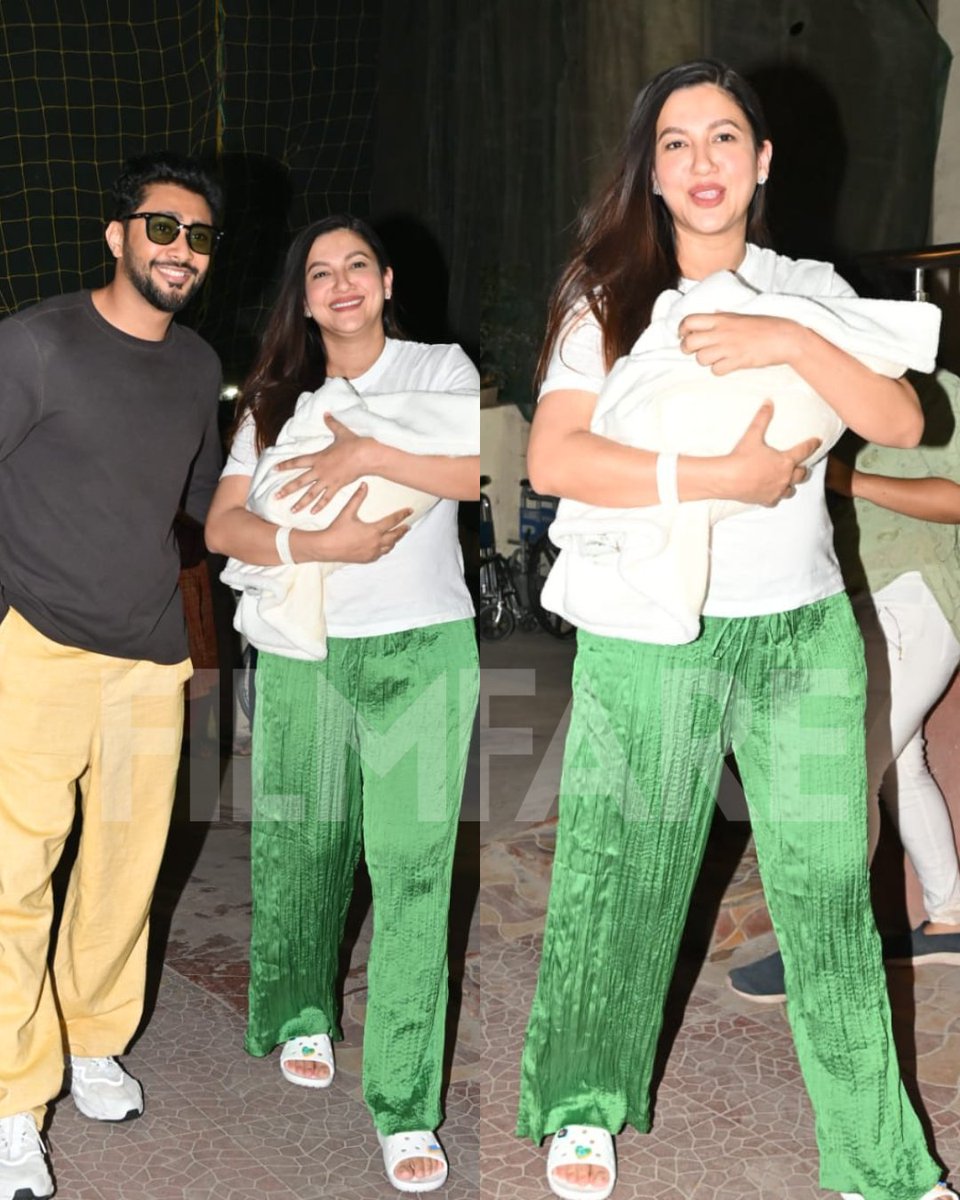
510,588
536,554
499,608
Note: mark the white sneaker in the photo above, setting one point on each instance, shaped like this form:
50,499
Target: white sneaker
103,1090
24,1174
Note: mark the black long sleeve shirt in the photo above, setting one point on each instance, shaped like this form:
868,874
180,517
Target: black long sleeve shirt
102,435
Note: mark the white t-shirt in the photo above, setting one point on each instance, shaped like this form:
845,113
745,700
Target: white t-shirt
420,582
765,560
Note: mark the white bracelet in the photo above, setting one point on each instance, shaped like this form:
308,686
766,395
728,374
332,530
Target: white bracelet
667,479
283,545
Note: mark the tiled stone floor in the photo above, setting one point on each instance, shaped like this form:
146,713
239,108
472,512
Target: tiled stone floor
732,1120
219,1124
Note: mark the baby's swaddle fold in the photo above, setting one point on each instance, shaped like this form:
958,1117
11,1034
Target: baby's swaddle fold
645,570
280,608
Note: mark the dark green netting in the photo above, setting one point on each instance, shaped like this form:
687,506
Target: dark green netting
282,92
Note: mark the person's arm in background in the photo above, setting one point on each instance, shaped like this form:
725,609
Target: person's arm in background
932,498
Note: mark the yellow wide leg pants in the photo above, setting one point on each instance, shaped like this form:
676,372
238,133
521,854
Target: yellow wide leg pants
111,727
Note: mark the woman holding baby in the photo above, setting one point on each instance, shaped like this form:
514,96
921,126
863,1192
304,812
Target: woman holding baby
776,673
367,745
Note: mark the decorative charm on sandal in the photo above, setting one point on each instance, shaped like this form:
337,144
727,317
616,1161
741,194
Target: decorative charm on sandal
582,1151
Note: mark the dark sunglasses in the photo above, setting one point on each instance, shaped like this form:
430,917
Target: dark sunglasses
164,229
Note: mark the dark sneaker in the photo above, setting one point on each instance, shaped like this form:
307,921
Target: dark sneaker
760,981
24,1174
916,947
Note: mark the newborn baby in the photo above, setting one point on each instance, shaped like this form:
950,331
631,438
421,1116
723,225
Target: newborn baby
281,608
658,398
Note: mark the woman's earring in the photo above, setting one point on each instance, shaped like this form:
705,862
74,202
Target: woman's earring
387,295
761,180
656,189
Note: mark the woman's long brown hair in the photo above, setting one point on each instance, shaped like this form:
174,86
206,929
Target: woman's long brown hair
291,358
625,254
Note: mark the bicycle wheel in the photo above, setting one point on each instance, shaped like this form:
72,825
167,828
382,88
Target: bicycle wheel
543,554
495,621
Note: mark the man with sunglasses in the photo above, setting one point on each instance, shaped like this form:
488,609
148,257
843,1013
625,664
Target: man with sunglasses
108,425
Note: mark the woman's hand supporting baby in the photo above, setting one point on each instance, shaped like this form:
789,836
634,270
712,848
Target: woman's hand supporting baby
232,529
754,472
880,409
348,538
325,472
727,342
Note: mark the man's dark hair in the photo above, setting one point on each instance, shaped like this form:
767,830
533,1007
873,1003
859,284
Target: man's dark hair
165,166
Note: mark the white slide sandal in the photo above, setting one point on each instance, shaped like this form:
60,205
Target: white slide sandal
316,1048
419,1143
581,1145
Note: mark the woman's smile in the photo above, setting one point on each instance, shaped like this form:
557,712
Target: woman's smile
707,195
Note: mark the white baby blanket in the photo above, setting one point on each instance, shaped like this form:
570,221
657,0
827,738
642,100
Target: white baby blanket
280,608
660,399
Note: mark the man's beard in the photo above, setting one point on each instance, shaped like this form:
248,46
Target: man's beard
166,301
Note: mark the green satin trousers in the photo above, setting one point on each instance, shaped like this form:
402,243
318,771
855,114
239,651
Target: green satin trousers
642,762
367,748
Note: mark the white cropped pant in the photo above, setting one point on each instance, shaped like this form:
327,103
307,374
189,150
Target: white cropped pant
912,654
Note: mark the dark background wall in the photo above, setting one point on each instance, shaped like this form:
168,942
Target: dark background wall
854,94
854,90
426,170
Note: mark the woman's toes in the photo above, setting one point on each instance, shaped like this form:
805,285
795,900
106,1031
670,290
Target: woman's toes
582,1175
418,1168
309,1070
